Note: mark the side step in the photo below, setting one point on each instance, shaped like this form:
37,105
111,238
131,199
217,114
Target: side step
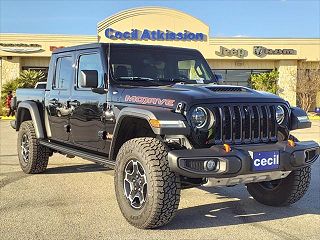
79,153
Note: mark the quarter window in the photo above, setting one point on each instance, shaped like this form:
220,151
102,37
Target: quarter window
64,73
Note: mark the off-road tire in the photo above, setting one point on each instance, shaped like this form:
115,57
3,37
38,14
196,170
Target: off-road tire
163,192
288,191
38,154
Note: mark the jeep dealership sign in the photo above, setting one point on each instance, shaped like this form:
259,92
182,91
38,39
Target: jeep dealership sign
259,51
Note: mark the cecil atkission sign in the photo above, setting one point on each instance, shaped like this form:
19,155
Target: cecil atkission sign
158,35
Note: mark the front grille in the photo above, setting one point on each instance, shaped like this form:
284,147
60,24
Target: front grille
238,124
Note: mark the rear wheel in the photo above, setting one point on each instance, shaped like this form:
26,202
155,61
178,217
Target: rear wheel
33,157
148,193
282,192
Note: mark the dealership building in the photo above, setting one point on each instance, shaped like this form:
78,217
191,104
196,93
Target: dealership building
234,58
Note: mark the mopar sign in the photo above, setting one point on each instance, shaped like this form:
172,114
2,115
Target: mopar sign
261,51
146,34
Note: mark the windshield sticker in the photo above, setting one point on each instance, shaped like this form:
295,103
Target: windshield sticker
147,100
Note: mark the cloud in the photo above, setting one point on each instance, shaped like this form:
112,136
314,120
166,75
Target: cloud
241,36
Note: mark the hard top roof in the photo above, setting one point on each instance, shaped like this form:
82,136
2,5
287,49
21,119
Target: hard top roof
118,45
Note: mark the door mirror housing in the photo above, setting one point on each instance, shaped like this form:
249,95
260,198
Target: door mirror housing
88,78
219,78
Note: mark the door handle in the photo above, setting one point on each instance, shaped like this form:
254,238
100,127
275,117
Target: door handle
53,101
74,103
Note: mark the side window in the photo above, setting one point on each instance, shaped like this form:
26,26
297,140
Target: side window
64,73
91,62
191,70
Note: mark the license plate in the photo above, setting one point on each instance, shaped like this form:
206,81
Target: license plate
262,161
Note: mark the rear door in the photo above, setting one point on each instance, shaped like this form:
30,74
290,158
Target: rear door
57,98
87,121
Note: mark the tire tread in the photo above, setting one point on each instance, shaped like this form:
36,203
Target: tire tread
38,155
166,182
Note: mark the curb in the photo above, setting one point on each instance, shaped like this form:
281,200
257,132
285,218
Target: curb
314,117
7,118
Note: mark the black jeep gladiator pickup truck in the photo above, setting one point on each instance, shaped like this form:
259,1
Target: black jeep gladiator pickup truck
158,117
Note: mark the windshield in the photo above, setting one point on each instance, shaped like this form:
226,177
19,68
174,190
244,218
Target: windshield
159,65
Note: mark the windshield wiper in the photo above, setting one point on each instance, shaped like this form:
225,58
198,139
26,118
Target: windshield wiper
135,78
173,80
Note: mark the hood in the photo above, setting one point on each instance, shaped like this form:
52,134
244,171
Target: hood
193,94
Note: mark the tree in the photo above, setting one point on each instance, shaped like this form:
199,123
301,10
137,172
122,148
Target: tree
266,82
27,79
308,84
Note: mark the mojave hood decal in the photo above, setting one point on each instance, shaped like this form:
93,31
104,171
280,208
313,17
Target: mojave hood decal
150,100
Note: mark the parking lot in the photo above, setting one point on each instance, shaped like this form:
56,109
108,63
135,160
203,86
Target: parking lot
74,199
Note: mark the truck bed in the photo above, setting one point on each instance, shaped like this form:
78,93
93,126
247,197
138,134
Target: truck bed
36,95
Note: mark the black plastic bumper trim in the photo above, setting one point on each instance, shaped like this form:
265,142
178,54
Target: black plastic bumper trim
238,161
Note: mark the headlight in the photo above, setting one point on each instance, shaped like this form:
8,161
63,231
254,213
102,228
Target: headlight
280,114
199,117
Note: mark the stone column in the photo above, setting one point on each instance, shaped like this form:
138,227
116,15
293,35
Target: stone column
288,80
9,69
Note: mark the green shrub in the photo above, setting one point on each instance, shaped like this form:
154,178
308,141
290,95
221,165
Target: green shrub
27,79
266,82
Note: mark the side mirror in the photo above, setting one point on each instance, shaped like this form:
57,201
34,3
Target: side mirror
219,78
88,78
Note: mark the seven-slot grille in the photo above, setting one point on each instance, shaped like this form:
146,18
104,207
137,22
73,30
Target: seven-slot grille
237,124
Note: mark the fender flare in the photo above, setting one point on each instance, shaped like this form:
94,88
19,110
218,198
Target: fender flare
35,117
156,113
147,113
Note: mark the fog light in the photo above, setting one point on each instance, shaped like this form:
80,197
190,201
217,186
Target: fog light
209,165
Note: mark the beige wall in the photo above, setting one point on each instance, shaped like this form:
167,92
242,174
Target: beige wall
45,40
35,61
287,80
242,64
306,49
9,69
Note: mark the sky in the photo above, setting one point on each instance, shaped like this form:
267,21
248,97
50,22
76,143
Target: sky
251,18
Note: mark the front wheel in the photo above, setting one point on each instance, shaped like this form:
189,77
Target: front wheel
284,191
147,191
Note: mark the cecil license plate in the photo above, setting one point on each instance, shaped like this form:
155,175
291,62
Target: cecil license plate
264,160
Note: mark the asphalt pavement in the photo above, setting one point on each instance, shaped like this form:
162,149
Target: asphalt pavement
74,199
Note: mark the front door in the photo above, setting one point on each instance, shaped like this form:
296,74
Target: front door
57,98
87,119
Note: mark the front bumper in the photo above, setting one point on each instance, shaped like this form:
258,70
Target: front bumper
190,162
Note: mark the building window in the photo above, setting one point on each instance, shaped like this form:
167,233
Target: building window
42,69
239,77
